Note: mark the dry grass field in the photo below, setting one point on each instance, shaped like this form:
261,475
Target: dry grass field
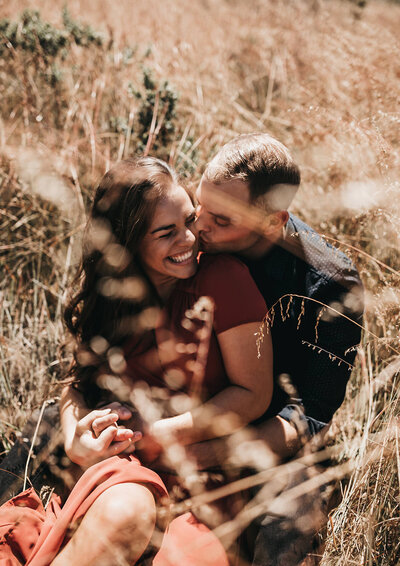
177,79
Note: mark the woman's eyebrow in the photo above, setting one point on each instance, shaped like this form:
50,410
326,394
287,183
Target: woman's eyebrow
163,228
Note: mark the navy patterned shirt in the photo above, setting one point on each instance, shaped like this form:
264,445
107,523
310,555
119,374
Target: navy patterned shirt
306,283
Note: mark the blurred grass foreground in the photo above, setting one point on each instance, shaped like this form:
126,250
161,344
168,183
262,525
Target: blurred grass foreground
85,84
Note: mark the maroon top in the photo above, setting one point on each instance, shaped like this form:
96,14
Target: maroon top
170,356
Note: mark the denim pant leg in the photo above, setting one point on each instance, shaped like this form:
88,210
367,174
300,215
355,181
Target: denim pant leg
288,528
280,543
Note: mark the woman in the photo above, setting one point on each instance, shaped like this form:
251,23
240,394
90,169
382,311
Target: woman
140,278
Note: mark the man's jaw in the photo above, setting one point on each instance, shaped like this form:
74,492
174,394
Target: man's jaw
205,246
253,249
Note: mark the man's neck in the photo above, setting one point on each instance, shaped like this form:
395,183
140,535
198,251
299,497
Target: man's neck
262,246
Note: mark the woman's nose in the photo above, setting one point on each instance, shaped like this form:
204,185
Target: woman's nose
190,235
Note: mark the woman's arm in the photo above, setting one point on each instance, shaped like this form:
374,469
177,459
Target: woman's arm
238,314
91,436
246,399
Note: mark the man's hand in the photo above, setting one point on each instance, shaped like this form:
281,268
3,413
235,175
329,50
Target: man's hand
97,436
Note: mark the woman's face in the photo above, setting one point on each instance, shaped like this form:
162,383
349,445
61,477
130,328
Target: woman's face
169,249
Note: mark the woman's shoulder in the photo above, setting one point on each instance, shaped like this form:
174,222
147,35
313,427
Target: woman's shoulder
228,282
210,264
218,273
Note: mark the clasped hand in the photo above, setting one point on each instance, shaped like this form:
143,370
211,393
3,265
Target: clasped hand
97,436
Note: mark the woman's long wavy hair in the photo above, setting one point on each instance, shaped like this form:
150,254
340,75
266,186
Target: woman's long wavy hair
113,287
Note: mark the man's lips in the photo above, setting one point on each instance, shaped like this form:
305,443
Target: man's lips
203,241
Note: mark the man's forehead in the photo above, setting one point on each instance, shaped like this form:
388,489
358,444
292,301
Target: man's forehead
235,188
229,200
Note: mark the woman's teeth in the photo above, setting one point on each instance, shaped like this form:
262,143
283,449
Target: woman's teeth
180,258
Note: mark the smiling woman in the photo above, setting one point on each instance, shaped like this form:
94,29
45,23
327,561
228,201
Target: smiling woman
141,208
150,215
169,249
190,379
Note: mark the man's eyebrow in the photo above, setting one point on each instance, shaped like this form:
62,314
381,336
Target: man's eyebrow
221,216
161,228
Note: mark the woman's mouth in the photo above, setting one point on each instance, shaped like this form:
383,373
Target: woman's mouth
181,258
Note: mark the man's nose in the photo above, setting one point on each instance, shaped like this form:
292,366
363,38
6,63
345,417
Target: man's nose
201,222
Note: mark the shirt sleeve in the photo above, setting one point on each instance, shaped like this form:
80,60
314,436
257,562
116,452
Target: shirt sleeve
331,341
236,297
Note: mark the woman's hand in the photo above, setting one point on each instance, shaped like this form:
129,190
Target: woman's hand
97,436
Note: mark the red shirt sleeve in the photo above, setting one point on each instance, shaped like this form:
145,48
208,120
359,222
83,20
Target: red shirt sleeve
228,282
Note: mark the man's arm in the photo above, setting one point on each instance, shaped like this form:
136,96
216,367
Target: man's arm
278,438
330,330
244,399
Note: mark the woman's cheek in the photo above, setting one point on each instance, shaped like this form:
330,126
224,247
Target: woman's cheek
164,249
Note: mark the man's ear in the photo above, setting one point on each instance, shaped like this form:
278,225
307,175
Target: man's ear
276,221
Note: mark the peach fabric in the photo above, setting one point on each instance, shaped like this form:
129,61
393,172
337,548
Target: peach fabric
188,542
32,536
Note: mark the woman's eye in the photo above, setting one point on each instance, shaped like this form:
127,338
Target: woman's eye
191,219
167,235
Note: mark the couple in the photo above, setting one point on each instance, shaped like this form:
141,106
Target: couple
140,279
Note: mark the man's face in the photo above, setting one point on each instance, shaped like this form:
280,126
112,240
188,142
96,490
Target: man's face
220,228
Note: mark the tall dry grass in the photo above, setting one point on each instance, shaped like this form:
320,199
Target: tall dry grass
323,77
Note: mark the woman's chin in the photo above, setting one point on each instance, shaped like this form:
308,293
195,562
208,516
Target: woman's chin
185,271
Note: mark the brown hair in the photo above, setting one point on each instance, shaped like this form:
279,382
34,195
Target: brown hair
259,160
122,210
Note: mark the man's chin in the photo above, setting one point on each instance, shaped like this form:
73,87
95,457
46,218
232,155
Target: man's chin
208,248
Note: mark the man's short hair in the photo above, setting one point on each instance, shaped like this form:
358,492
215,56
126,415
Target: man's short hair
262,162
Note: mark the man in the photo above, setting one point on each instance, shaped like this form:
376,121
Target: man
313,291
315,298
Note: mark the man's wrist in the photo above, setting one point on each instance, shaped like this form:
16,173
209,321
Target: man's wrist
305,425
178,425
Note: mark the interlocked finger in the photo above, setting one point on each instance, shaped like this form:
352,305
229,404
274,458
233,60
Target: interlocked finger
86,422
101,423
123,412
